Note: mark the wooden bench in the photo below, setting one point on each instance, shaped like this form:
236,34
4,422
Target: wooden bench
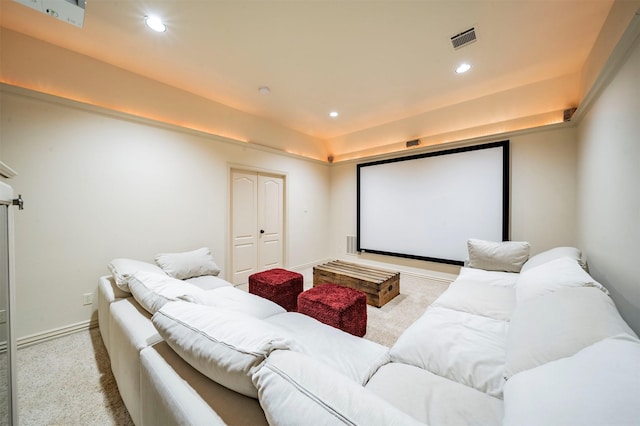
379,285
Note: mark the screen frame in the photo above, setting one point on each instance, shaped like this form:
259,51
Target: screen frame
505,145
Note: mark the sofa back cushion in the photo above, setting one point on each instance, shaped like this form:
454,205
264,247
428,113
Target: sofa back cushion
295,389
490,301
599,385
508,256
559,324
226,346
353,356
552,254
551,276
466,348
122,269
152,290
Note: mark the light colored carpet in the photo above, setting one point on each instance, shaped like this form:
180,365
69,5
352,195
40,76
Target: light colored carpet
68,381
385,324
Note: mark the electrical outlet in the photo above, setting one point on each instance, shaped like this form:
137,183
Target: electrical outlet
3,316
87,298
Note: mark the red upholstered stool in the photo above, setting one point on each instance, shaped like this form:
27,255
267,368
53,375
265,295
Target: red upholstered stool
278,285
340,307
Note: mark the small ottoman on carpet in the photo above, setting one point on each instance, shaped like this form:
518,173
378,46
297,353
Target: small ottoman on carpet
278,285
340,307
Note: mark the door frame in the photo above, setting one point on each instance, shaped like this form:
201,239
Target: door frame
236,167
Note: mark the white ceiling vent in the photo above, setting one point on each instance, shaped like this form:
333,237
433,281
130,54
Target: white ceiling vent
464,38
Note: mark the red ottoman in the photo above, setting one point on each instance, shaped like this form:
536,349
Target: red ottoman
340,307
278,285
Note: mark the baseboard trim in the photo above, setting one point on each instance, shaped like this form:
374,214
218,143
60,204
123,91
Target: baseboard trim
307,265
36,338
442,280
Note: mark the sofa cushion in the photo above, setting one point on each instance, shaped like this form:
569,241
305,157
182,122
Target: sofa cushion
352,356
480,276
226,346
152,290
552,254
122,269
432,399
231,298
466,348
599,385
295,389
490,301
551,276
208,282
188,264
558,325
508,256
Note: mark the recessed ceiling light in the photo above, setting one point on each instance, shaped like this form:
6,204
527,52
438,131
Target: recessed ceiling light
155,24
333,114
462,68
264,90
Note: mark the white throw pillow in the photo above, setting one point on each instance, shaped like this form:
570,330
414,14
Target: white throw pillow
559,324
551,276
295,389
122,269
599,385
226,346
508,256
152,290
552,254
188,264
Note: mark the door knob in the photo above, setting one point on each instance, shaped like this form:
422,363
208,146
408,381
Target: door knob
262,231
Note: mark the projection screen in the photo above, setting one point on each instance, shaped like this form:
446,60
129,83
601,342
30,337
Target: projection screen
427,206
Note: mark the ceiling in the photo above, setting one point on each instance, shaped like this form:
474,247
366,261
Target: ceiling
374,62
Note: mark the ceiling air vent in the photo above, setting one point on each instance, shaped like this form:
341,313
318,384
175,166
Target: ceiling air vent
464,38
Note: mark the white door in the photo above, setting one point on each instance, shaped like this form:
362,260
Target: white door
257,206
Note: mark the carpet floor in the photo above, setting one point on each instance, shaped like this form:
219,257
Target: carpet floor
68,381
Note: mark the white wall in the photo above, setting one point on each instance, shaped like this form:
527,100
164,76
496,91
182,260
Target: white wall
543,182
609,187
543,179
99,186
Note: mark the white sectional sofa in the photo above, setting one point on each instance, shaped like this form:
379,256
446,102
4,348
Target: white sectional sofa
540,346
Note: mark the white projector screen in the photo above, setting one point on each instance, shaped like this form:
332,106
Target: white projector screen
427,206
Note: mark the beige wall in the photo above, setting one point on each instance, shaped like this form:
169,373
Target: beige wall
98,186
609,186
543,170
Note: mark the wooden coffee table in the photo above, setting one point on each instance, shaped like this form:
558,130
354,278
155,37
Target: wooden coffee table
379,285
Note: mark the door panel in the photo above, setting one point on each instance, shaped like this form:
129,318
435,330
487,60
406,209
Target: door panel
270,220
243,226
